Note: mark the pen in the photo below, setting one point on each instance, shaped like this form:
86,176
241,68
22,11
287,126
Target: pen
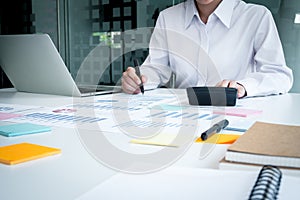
138,73
216,128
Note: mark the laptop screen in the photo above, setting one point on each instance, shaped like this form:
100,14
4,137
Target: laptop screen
33,64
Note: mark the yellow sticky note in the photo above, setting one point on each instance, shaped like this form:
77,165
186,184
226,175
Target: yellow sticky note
220,139
165,139
22,152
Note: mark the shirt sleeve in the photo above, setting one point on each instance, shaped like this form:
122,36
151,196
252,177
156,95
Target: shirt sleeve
270,74
156,66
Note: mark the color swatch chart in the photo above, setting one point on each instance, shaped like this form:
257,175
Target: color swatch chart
104,107
115,112
185,115
62,116
61,120
4,108
165,117
16,109
134,102
151,124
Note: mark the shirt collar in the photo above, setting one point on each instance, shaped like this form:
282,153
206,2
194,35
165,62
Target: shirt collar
190,12
224,12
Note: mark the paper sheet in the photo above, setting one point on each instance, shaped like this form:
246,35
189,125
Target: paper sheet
186,183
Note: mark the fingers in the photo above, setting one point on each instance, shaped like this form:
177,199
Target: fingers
144,79
227,83
223,83
131,82
241,91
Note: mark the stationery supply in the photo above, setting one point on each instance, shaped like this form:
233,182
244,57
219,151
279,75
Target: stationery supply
220,139
13,130
18,153
166,139
267,183
216,128
212,96
267,143
138,73
238,112
5,116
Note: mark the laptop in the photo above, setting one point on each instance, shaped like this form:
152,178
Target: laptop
33,64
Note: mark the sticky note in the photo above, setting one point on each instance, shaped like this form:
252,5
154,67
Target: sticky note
173,140
220,139
168,107
4,116
165,139
22,129
22,152
238,112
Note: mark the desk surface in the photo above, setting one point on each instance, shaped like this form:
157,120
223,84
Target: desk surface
75,171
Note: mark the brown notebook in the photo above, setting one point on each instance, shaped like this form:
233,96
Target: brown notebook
266,143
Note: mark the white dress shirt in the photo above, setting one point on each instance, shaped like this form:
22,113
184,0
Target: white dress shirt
239,42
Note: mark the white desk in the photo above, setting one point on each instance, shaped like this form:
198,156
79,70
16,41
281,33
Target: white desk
75,172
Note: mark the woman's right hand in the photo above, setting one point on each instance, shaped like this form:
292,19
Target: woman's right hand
131,82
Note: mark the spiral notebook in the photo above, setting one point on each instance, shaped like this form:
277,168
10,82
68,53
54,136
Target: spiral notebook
267,184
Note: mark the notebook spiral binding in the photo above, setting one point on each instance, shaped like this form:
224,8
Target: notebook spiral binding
267,183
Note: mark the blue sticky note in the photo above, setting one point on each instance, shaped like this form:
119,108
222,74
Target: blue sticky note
22,129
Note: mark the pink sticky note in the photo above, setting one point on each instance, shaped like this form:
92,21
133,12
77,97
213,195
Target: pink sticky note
239,112
4,116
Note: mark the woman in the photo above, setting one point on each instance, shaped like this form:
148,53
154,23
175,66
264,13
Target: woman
226,43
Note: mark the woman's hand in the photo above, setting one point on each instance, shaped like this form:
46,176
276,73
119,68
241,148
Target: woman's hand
131,82
241,91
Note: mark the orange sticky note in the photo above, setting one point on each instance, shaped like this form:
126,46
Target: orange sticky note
18,153
220,139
